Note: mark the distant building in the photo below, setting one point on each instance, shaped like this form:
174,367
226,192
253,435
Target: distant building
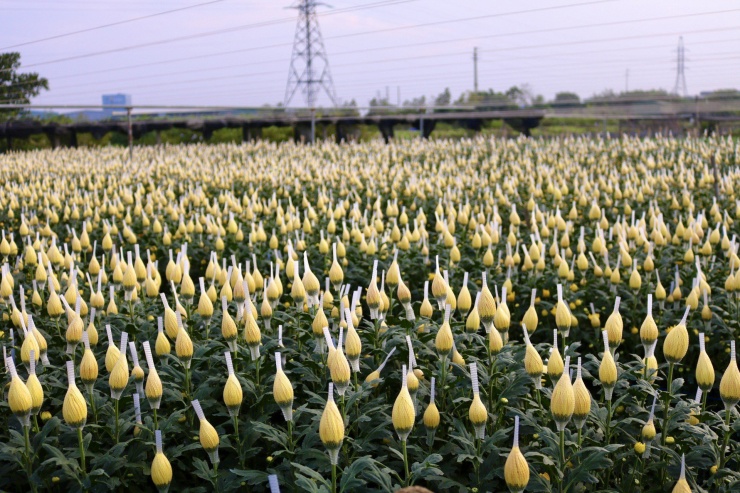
115,100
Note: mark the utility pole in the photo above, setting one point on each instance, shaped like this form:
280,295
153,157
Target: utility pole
130,135
680,85
475,69
627,80
309,63
398,95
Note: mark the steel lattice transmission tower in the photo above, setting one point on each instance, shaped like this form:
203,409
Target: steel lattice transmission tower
309,63
680,85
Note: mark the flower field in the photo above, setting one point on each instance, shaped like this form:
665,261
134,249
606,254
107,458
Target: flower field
474,315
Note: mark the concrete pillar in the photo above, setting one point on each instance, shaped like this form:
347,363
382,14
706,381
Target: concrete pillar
386,130
302,132
339,135
428,128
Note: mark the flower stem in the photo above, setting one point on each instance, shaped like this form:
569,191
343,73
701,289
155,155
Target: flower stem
608,420
562,448
117,424
333,478
26,432
187,381
726,441
667,404
290,436
444,379
82,444
236,432
405,462
91,391
156,422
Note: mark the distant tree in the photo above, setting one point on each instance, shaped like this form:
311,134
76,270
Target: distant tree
523,95
420,101
514,94
444,99
378,101
605,94
567,98
723,94
17,88
487,100
348,108
646,94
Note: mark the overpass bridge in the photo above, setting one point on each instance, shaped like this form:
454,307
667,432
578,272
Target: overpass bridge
136,121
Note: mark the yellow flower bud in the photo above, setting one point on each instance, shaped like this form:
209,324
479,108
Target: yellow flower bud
336,275
676,343
209,439
444,340
704,368
530,319
486,306
516,469
431,414
614,325
232,392
162,344
477,412
532,362
582,399
282,390
464,300
495,342
205,306
74,408
607,369
562,404
19,397
729,386
502,317
88,367
331,426
649,329
403,414
562,313
682,486
119,376
161,471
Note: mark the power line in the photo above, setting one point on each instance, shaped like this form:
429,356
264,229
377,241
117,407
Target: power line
337,11
497,72
461,78
262,62
118,23
513,48
427,43
160,42
474,18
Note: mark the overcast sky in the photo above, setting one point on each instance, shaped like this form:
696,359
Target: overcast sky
419,46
